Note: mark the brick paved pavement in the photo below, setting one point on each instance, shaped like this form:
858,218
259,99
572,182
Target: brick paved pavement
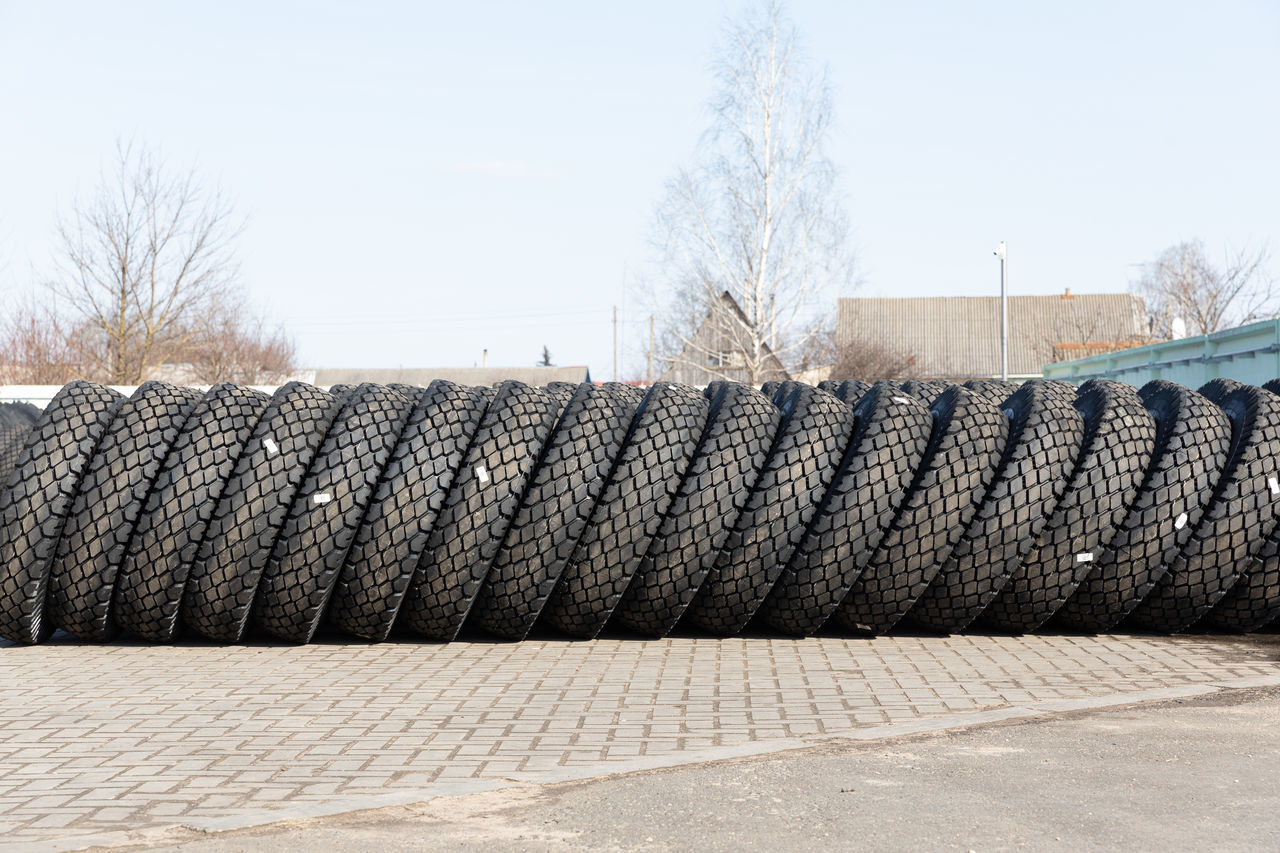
124,738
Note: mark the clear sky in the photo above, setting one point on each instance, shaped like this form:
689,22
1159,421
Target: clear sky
424,180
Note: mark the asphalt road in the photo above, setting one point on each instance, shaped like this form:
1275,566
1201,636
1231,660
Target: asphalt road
1194,774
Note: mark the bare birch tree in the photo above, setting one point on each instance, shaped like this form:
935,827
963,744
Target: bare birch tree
757,217
1183,282
144,264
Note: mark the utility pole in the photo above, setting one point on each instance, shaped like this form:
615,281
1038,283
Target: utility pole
648,375
615,343
1002,253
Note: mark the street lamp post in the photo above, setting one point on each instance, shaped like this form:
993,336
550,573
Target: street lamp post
1002,254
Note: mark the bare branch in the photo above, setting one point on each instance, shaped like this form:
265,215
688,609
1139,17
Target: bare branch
234,346
870,361
143,263
1183,283
36,348
146,279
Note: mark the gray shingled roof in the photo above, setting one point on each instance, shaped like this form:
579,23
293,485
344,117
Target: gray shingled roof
462,375
959,336
689,366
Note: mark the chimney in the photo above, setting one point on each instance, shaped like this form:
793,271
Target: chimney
1067,294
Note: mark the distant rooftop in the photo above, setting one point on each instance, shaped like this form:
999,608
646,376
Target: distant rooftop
423,376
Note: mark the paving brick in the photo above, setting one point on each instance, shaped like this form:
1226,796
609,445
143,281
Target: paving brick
109,738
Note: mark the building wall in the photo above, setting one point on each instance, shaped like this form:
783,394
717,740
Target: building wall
958,337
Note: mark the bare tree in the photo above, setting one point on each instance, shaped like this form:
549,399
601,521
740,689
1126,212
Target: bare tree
1080,332
1183,282
236,346
818,347
545,359
36,348
145,263
757,217
857,357
870,360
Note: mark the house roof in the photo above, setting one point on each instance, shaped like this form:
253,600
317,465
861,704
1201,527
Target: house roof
959,336
423,376
714,336
727,299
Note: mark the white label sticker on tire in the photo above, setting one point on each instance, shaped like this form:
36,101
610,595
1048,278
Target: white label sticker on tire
271,446
1274,485
1084,557
482,475
1180,522
321,498
901,399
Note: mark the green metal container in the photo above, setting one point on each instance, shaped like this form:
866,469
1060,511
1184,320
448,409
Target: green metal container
1247,353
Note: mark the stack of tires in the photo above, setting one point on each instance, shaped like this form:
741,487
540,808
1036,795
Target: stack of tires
373,510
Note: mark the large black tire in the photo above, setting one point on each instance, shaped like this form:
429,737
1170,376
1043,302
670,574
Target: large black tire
19,415
875,474
37,498
557,505
1045,435
926,391
1254,600
801,465
851,390
1192,443
404,509
562,389
480,505
111,496
13,439
185,493
993,390
969,436
664,436
713,494
312,546
241,533
1242,515
1120,437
